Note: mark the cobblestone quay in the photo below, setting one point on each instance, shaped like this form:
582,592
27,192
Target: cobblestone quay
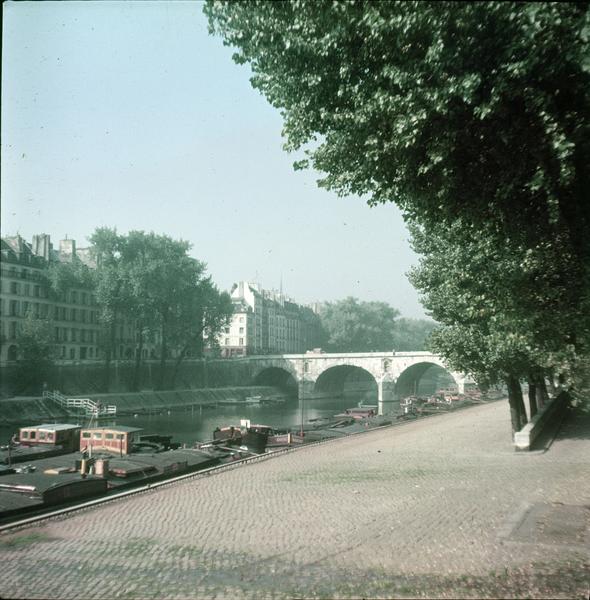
441,507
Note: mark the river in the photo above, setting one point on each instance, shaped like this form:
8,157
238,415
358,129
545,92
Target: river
188,426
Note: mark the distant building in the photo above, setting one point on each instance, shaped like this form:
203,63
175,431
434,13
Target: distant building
72,314
25,291
267,322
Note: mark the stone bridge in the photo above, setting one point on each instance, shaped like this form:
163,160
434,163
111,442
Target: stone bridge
318,373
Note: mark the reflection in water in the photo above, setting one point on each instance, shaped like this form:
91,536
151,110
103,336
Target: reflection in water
186,426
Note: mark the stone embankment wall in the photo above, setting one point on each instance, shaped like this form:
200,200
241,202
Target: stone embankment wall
91,378
17,410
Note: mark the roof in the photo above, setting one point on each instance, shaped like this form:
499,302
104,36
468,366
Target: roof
39,482
119,428
53,426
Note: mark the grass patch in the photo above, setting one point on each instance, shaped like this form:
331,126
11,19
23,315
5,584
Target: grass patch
23,541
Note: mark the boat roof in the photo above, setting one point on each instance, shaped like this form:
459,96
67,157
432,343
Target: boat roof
121,428
40,482
53,426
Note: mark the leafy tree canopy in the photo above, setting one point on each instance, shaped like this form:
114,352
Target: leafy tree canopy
412,334
354,326
430,104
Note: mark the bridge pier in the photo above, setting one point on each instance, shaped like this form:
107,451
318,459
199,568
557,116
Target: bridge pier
387,402
305,389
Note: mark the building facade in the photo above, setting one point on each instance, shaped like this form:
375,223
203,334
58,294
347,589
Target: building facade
267,322
25,293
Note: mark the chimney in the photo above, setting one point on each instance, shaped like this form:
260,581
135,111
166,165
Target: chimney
67,250
42,245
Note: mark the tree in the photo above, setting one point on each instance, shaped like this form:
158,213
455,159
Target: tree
353,326
111,293
412,334
430,104
201,313
496,305
35,343
151,282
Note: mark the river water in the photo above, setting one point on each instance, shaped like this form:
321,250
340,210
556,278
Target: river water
187,426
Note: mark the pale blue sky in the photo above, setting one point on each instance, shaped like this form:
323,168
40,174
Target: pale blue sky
129,115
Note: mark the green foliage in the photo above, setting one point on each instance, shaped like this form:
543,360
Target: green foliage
35,343
430,104
151,281
64,276
412,334
34,339
497,303
353,326
473,118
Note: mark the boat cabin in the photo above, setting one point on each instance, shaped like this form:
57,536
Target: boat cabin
360,413
56,434
118,439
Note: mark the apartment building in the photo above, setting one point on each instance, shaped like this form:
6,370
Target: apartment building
25,293
267,322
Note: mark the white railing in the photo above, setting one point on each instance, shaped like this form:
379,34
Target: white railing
90,407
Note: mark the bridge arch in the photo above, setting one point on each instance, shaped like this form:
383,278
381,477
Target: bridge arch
277,377
410,380
342,379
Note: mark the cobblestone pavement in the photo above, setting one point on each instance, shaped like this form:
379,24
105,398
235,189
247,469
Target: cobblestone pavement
437,508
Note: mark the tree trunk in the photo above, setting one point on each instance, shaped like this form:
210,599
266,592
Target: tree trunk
136,374
532,396
109,355
517,410
162,374
542,394
177,362
182,355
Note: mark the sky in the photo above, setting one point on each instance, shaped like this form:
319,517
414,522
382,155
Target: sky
130,115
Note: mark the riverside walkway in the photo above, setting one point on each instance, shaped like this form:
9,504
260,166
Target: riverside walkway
439,507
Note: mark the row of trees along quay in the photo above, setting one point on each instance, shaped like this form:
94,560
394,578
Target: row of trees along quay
150,282
473,118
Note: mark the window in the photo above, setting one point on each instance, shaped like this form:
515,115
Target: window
37,289
25,435
33,435
74,297
86,435
72,353
97,436
13,287
50,435
27,289
241,319
41,435
109,436
241,341
241,330
227,341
